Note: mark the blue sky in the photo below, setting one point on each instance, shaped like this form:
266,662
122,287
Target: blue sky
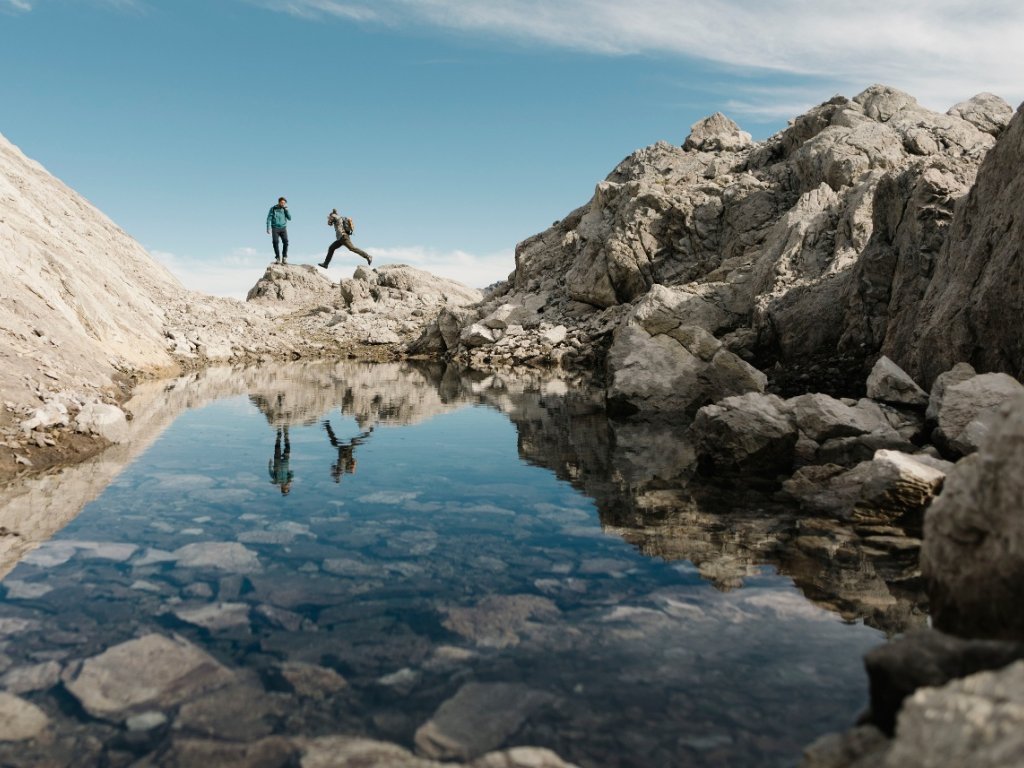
448,129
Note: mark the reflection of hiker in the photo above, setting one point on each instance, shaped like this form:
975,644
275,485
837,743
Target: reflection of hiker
280,474
343,228
277,226
346,463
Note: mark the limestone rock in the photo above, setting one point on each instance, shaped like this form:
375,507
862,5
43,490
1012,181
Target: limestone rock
220,555
891,384
521,757
973,554
658,363
288,286
215,616
151,672
20,720
107,421
968,409
958,373
37,677
821,418
478,718
977,721
892,488
986,111
862,747
717,133
752,431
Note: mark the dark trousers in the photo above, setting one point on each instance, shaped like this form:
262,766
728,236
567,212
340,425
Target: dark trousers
346,241
280,235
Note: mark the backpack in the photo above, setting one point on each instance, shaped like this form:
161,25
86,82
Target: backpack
348,225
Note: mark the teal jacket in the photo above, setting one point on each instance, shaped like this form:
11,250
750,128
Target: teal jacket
278,217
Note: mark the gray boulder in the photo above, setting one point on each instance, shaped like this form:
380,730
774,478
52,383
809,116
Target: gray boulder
752,431
717,133
969,408
151,672
958,373
973,554
821,418
891,384
20,720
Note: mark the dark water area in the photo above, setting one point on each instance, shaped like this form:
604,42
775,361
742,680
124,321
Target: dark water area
388,550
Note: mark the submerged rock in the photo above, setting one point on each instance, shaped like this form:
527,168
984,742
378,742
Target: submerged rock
20,720
480,717
152,672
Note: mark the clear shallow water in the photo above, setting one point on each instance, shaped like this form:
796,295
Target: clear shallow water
415,537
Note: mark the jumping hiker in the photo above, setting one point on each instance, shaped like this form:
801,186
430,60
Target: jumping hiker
343,228
346,463
277,226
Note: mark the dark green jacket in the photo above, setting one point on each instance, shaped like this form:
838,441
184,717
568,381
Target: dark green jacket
278,217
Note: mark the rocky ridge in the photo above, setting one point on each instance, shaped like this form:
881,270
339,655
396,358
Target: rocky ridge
807,255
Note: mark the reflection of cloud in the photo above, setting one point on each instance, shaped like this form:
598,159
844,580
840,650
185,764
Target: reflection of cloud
942,51
15,5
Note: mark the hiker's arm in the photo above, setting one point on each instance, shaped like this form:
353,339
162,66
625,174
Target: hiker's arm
270,216
287,214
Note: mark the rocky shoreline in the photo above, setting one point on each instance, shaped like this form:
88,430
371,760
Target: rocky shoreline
864,263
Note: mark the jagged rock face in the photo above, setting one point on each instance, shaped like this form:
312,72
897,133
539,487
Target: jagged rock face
819,243
974,302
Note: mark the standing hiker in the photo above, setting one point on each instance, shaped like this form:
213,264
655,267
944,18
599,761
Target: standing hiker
277,226
343,228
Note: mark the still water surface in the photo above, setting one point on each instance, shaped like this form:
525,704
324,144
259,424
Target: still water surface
422,534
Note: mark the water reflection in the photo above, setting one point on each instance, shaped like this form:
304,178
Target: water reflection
530,566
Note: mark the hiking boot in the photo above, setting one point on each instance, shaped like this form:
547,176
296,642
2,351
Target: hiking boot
277,261
322,264
369,260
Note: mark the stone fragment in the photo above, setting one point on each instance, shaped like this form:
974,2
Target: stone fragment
151,672
20,720
499,621
891,384
987,111
356,752
477,719
102,419
145,721
241,711
477,335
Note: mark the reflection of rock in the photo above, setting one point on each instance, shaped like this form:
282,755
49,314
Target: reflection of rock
498,621
150,672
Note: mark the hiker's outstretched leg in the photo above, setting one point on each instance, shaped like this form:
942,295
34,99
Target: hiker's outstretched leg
330,253
352,247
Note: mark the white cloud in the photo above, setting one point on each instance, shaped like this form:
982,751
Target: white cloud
233,274
941,51
23,6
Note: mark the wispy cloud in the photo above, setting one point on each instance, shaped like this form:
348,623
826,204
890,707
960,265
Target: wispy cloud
940,50
233,274
15,6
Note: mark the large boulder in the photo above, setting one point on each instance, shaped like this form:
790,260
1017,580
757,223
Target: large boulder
893,488
973,553
891,384
717,133
968,409
958,373
292,286
746,432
